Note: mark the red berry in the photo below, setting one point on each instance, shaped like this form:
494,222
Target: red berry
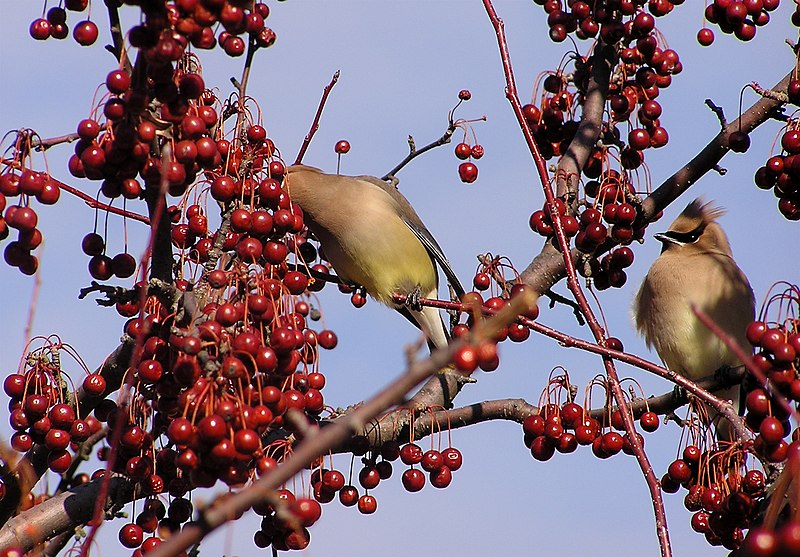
342,147
468,172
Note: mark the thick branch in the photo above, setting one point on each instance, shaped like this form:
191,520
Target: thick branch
62,513
580,148
160,245
712,153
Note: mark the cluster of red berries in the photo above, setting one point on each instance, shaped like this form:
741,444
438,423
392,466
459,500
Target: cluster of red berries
552,125
781,173
588,19
563,428
484,355
611,221
738,17
725,500
26,185
118,151
42,411
777,348
647,64
55,24
467,170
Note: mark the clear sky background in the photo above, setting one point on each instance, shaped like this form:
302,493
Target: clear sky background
402,66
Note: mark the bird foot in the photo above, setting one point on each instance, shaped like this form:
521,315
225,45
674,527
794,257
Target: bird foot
458,376
679,393
412,299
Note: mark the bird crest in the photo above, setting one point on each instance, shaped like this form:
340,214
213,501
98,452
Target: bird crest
697,214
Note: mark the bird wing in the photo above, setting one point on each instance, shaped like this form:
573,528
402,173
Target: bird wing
415,224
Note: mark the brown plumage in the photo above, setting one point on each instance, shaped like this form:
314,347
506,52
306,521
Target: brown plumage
372,237
696,266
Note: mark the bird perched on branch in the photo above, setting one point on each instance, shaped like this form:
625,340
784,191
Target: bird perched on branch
372,237
696,267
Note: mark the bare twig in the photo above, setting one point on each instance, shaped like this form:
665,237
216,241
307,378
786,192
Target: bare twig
315,124
719,112
779,96
44,144
413,152
556,298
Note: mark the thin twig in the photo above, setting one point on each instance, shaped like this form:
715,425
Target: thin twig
88,199
44,144
719,112
414,152
315,124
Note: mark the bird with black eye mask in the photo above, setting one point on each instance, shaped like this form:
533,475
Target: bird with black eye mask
696,267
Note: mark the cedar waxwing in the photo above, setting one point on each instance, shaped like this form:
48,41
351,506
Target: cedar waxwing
373,238
696,266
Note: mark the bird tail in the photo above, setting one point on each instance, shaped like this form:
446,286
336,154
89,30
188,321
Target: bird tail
430,321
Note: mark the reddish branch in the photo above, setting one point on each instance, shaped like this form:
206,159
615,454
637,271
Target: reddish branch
317,116
574,286
95,204
90,201
745,358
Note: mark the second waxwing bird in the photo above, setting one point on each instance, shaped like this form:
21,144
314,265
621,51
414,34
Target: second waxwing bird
696,266
372,237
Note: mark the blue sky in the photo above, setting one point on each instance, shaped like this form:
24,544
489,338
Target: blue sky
402,66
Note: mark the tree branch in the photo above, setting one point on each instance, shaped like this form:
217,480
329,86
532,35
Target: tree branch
413,152
712,153
62,513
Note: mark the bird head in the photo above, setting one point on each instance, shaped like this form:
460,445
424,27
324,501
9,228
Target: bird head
696,228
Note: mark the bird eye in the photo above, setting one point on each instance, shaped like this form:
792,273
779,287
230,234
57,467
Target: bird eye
686,237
